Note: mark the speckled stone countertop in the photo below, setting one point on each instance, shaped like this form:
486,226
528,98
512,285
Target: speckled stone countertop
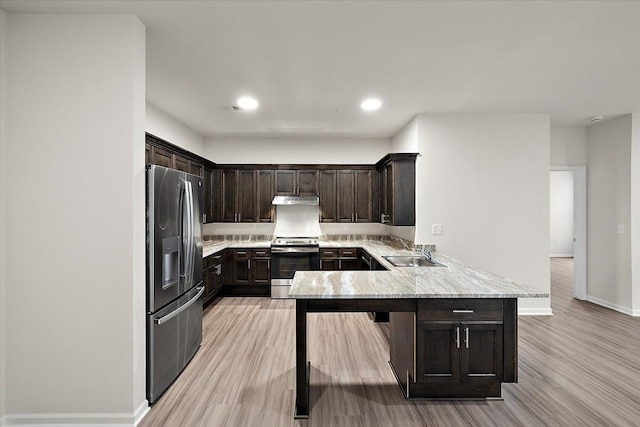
456,280
210,247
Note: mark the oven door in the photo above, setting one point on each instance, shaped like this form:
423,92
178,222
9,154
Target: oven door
286,261
284,264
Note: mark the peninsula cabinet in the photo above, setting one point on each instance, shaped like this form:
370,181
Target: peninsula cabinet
455,348
298,182
339,259
239,195
397,194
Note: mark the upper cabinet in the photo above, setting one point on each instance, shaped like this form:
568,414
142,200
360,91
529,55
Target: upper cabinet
296,182
348,195
239,195
397,189
327,185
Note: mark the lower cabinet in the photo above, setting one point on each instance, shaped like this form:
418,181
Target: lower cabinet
458,352
455,348
339,259
213,275
250,272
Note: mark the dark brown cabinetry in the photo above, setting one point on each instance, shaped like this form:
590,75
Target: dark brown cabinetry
298,182
250,272
239,195
339,259
397,182
213,275
460,348
265,210
212,189
356,195
327,195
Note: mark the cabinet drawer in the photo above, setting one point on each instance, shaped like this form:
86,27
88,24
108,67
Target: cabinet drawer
459,309
348,253
242,254
329,253
261,253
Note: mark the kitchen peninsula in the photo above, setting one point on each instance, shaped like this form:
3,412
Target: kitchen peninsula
453,329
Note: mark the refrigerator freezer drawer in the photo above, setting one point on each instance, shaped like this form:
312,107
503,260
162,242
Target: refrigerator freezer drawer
174,335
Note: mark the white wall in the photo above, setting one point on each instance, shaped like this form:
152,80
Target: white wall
406,140
568,146
609,205
485,178
561,214
162,125
75,287
635,213
4,87
296,150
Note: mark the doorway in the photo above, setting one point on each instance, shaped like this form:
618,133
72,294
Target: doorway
568,221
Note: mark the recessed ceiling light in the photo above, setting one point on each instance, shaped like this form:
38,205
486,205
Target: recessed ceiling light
247,103
371,104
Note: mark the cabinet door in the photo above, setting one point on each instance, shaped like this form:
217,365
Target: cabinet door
349,265
181,163
285,182
363,196
241,271
261,268
207,213
229,190
162,157
265,196
209,283
388,176
307,182
147,154
482,353
345,191
327,196
329,265
437,352
247,196
216,196
196,168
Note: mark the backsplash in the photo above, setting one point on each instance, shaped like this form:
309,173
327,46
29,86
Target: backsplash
297,220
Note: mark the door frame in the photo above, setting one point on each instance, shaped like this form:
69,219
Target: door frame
579,228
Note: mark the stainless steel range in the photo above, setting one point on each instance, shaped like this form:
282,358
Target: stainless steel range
288,255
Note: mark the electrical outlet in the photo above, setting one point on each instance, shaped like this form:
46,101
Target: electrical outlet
620,228
436,229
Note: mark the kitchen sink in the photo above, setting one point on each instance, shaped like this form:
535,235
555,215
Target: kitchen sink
412,261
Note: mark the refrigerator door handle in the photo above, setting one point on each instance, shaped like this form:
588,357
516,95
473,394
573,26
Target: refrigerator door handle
173,314
190,231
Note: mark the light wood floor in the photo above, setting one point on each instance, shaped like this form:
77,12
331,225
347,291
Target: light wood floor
579,367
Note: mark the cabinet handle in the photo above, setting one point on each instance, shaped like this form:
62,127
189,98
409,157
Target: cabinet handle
320,264
462,311
217,256
466,337
241,253
204,218
340,264
356,217
249,264
268,264
239,217
457,336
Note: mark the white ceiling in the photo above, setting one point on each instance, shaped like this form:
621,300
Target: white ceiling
311,63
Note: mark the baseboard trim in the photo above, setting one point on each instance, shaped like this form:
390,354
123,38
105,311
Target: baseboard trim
534,312
75,420
561,256
612,306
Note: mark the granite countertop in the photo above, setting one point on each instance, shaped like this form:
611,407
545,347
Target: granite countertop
456,280
210,247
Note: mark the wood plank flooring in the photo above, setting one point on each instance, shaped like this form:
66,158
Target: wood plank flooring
580,367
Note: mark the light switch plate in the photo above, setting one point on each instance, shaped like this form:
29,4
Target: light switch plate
620,228
436,229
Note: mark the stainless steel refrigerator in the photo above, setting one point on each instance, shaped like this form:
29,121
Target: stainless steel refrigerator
174,275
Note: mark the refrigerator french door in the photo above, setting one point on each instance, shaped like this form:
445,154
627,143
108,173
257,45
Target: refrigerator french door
174,275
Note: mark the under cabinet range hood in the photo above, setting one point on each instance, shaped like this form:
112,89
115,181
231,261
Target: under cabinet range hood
296,200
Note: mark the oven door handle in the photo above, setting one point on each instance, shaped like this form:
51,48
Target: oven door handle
277,250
